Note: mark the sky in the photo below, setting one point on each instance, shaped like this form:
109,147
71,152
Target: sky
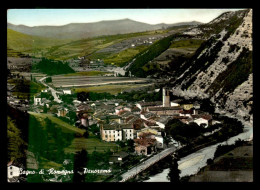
57,17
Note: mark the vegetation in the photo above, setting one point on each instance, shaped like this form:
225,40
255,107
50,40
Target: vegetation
24,43
174,173
123,57
51,67
149,54
187,43
16,145
236,73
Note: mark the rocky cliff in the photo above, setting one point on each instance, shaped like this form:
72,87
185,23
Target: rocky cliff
222,67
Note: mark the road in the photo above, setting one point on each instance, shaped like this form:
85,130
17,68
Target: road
53,91
137,169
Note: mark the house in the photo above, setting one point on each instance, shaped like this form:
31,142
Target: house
62,112
37,100
165,110
127,132
84,119
161,121
144,105
111,132
146,144
159,141
13,172
205,120
187,106
119,157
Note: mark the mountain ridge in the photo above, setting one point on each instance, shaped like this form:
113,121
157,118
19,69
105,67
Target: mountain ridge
92,29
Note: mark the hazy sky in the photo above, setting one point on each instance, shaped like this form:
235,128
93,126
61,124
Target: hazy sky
37,17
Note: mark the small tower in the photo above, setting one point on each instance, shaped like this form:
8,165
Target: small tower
166,97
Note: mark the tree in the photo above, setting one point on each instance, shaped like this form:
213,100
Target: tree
80,162
86,134
174,173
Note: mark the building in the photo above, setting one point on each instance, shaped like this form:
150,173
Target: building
84,119
111,132
127,132
205,120
37,100
66,91
119,157
143,106
62,112
146,144
187,106
165,110
166,97
13,172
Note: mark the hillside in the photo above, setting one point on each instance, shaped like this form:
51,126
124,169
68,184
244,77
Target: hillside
27,43
87,30
221,68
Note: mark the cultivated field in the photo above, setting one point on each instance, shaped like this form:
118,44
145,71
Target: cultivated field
83,81
113,89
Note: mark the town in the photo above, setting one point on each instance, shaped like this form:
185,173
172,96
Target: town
141,122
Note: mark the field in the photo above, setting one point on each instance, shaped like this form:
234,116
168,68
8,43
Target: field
91,144
112,89
87,73
17,41
187,43
71,81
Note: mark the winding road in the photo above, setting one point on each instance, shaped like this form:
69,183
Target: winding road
53,91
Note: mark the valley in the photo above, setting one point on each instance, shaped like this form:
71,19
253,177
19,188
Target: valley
115,95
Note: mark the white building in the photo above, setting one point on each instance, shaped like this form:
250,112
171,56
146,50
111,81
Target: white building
37,100
128,132
66,91
159,140
13,171
200,121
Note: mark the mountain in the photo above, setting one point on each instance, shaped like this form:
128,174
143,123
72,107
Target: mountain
221,68
86,30
27,43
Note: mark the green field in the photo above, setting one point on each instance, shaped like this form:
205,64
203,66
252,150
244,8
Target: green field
121,58
66,128
24,43
187,43
91,144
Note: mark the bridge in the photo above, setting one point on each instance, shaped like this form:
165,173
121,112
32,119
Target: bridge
146,164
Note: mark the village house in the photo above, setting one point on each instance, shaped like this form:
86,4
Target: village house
165,110
13,172
143,106
62,112
118,158
66,91
146,144
111,132
205,120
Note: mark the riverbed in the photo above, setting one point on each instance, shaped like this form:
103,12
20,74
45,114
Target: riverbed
192,163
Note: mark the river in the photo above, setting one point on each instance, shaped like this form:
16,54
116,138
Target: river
192,163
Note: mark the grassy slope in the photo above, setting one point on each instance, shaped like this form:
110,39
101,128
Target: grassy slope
27,43
90,46
79,142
